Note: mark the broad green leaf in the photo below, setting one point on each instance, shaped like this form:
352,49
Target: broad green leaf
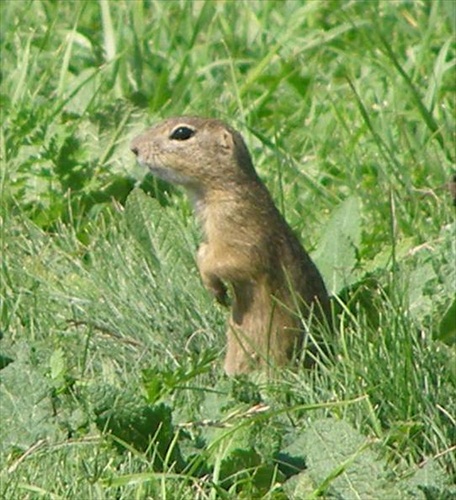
158,232
133,423
447,328
337,249
432,281
26,410
340,462
429,482
57,364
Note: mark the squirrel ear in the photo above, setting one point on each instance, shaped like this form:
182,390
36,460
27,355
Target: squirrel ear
226,140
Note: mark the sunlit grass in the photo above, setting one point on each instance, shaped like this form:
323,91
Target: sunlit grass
347,109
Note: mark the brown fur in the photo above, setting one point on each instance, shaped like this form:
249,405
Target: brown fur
248,246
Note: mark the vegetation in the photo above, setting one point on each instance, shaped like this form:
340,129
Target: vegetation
111,381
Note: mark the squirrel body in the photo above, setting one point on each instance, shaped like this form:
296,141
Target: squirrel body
248,246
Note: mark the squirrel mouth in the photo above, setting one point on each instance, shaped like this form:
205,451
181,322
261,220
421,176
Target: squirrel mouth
166,174
156,166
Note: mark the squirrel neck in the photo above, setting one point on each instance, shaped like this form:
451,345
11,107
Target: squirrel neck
216,197
219,208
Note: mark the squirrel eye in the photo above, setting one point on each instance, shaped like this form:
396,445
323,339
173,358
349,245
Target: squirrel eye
182,133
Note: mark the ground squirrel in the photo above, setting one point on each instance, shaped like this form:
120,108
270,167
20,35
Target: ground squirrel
249,249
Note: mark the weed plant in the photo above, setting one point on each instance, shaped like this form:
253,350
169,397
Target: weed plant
111,381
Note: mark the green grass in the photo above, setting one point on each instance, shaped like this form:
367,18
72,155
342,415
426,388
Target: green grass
111,381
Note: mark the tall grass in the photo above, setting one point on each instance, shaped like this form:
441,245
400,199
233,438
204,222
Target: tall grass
348,110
